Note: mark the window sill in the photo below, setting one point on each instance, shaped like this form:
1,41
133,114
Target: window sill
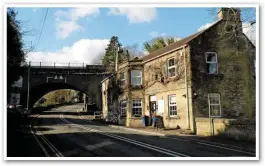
136,87
214,75
136,118
173,117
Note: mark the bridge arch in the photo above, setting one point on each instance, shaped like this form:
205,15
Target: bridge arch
39,91
43,80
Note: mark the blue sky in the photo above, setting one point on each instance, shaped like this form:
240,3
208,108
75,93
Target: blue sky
81,34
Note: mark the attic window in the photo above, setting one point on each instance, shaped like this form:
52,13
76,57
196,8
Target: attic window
211,61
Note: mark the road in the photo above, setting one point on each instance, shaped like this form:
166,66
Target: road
62,132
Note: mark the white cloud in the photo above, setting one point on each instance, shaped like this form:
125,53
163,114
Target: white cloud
84,50
65,28
205,26
135,15
146,52
66,21
250,31
83,12
155,34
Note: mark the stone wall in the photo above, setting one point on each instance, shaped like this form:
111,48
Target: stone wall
162,86
234,81
228,128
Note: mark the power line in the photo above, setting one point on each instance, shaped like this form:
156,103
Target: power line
41,28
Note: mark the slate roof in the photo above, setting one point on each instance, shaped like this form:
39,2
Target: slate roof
175,45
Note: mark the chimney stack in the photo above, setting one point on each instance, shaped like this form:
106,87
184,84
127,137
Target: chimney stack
229,14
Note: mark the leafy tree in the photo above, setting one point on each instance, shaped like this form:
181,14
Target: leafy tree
15,53
110,54
158,43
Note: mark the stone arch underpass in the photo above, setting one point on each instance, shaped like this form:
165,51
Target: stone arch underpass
41,81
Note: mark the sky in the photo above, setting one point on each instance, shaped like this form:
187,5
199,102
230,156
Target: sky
80,35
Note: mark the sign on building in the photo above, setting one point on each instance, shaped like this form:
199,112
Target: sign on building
18,83
15,98
160,107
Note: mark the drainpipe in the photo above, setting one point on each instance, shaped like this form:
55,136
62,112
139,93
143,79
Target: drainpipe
186,85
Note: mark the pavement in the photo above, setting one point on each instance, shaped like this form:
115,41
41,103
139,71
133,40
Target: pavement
63,132
178,133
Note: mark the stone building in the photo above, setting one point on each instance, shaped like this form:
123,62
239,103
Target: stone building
208,74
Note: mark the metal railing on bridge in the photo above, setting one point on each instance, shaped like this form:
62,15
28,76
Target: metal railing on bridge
57,65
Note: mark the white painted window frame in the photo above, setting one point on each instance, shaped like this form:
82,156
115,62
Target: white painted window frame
137,107
141,74
206,56
210,104
171,67
169,105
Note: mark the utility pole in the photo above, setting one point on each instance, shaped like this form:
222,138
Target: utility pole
116,59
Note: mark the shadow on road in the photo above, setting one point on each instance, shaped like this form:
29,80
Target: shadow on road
72,142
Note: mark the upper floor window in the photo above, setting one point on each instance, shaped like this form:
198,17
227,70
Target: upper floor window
214,105
123,78
136,77
171,67
211,60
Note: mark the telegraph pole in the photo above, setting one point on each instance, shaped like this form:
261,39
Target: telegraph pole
116,59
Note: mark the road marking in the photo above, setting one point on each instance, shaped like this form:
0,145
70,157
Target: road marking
148,146
207,143
39,143
98,145
178,139
226,148
48,143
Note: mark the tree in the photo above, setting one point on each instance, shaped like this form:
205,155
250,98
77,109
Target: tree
134,50
157,43
110,54
15,53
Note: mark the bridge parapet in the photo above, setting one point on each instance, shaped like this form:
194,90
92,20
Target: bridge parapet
65,68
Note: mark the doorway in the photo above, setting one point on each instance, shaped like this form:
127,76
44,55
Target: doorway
153,108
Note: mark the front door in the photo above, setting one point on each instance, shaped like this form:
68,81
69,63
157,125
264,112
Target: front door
152,109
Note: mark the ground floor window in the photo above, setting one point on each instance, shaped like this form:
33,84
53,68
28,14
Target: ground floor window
137,108
214,105
123,108
172,106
